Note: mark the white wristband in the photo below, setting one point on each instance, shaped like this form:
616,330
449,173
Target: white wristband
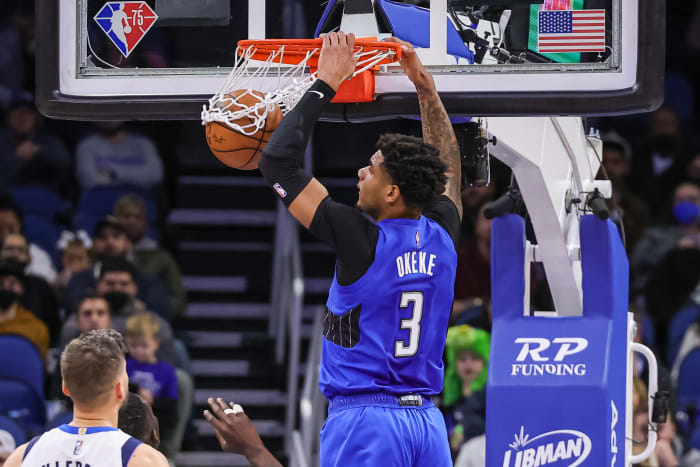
235,410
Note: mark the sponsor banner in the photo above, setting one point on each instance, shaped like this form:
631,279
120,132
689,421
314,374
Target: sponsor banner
564,447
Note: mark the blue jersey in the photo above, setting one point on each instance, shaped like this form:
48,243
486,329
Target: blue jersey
386,331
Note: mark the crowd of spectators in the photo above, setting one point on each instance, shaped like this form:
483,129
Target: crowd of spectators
102,282
80,213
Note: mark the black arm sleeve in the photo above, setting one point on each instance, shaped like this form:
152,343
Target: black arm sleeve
350,233
281,160
444,212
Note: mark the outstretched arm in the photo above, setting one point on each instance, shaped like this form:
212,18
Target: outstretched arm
281,160
437,128
236,434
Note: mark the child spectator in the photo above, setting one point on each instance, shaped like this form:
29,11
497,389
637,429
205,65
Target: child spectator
464,394
75,255
156,380
14,319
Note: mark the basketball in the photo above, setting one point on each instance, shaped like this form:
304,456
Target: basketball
235,148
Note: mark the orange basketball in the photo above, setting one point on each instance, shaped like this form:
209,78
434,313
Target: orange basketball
234,148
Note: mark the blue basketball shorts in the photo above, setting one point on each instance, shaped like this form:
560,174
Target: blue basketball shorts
376,430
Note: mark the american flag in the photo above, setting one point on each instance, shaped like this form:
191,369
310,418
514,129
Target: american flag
571,31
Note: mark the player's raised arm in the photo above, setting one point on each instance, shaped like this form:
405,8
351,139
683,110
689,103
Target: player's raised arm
437,128
281,160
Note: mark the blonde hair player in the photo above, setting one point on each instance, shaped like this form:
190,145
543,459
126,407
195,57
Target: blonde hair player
94,377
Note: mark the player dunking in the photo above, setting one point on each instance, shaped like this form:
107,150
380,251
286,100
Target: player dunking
94,377
390,301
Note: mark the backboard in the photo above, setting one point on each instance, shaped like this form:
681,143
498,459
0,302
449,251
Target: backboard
162,59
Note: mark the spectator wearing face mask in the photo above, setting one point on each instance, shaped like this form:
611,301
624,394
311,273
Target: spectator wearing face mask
660,164
111,242
116,285
39,297
15,319
657,242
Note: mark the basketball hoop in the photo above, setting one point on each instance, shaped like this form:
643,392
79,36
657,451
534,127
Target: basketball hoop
294,63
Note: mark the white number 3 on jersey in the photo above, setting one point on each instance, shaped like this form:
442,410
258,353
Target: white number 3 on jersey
412,325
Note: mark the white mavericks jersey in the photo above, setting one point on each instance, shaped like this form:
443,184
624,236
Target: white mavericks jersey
71,446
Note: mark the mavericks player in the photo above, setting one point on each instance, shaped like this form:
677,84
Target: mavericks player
390,301
94,377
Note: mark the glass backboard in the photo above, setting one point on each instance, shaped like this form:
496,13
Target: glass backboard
162,59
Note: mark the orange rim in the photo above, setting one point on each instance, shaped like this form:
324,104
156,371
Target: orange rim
296,50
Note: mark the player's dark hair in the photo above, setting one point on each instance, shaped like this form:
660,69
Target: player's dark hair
117,264
91,294
415,167
136,418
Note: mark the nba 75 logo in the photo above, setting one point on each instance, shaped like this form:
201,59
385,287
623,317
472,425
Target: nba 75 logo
126,23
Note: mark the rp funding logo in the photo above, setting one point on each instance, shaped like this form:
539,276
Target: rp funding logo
558,448
540,356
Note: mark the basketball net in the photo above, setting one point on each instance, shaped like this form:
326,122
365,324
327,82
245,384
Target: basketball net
293,79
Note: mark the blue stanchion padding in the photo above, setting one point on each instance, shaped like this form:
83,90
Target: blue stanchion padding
556,386
507,278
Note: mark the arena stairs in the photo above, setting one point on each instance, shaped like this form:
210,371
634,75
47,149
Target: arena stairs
222,224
